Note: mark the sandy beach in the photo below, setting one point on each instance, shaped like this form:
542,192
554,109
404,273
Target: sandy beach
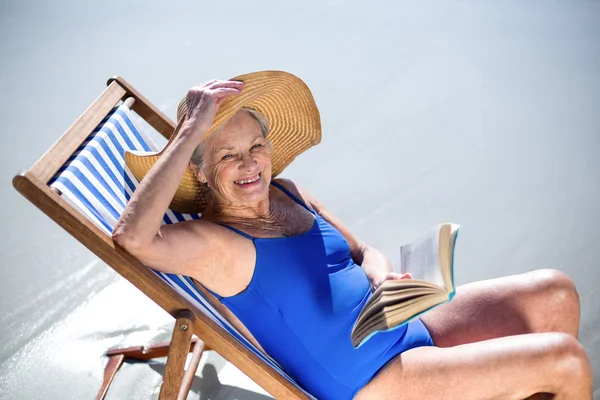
477,112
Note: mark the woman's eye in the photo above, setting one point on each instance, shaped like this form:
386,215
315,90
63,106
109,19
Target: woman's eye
226,156
256,146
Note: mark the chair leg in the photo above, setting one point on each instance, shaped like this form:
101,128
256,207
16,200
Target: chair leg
116,357
113,365
190,372
178,351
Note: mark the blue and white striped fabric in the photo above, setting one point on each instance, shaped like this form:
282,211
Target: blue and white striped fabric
96,180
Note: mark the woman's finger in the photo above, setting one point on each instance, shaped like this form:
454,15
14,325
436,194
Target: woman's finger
220,101
202,86
395,275
213,88
208,83
228,90
196,97
221,84
223,93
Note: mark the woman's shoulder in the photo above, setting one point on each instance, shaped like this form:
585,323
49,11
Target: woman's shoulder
291,186
294,188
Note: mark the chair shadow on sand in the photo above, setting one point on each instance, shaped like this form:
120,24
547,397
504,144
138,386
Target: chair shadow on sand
210,388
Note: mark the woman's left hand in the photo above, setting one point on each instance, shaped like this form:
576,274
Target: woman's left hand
391,276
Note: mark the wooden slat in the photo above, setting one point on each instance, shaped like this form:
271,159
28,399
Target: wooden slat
155,350
111,369
178,351
190,372
152,286
58,154
156,118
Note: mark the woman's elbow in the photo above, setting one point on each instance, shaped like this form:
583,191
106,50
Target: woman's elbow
358,252
125,240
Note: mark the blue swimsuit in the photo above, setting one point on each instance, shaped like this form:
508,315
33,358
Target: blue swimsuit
301,304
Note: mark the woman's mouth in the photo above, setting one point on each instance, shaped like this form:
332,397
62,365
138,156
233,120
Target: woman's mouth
249,180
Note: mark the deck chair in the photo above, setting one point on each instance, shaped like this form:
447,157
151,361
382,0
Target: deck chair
82,184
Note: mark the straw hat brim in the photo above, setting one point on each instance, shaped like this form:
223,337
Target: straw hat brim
294,127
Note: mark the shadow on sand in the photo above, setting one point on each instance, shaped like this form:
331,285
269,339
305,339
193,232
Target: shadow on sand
210,388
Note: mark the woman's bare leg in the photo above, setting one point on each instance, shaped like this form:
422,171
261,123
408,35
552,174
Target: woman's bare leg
533,302
509,368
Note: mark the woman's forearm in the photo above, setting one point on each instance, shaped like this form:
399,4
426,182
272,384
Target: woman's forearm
141,220
376,265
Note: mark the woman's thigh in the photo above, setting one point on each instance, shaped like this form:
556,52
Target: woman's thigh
514,367
533,302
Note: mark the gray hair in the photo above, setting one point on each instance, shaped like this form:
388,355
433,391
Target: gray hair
198,154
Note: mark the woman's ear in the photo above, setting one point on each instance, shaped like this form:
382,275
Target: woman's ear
198,172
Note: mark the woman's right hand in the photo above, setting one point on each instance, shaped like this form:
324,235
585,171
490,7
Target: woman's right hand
203,103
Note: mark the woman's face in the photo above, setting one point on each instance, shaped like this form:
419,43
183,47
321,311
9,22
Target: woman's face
237,162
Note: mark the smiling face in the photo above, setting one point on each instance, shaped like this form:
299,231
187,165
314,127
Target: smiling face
237,163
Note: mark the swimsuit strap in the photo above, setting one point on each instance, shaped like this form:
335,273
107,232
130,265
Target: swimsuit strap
238,231
291,195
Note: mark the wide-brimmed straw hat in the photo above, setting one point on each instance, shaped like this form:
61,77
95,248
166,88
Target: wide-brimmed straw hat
294,127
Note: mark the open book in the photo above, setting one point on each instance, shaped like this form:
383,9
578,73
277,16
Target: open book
429,260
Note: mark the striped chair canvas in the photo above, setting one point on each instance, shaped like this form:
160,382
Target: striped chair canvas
96,181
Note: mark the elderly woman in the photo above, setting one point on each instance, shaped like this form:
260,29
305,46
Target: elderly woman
292,278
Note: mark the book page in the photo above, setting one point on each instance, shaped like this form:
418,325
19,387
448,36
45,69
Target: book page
421,258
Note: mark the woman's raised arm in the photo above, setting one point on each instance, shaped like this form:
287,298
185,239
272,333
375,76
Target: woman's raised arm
138,228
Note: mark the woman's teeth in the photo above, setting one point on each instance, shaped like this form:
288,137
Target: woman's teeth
254,179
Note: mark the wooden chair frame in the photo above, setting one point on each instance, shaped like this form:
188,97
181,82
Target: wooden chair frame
33,185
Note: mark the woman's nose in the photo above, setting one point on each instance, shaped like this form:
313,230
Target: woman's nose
248,163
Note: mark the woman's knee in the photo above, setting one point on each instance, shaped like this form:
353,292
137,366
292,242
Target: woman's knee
552,302
569,358
557,289
562,365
